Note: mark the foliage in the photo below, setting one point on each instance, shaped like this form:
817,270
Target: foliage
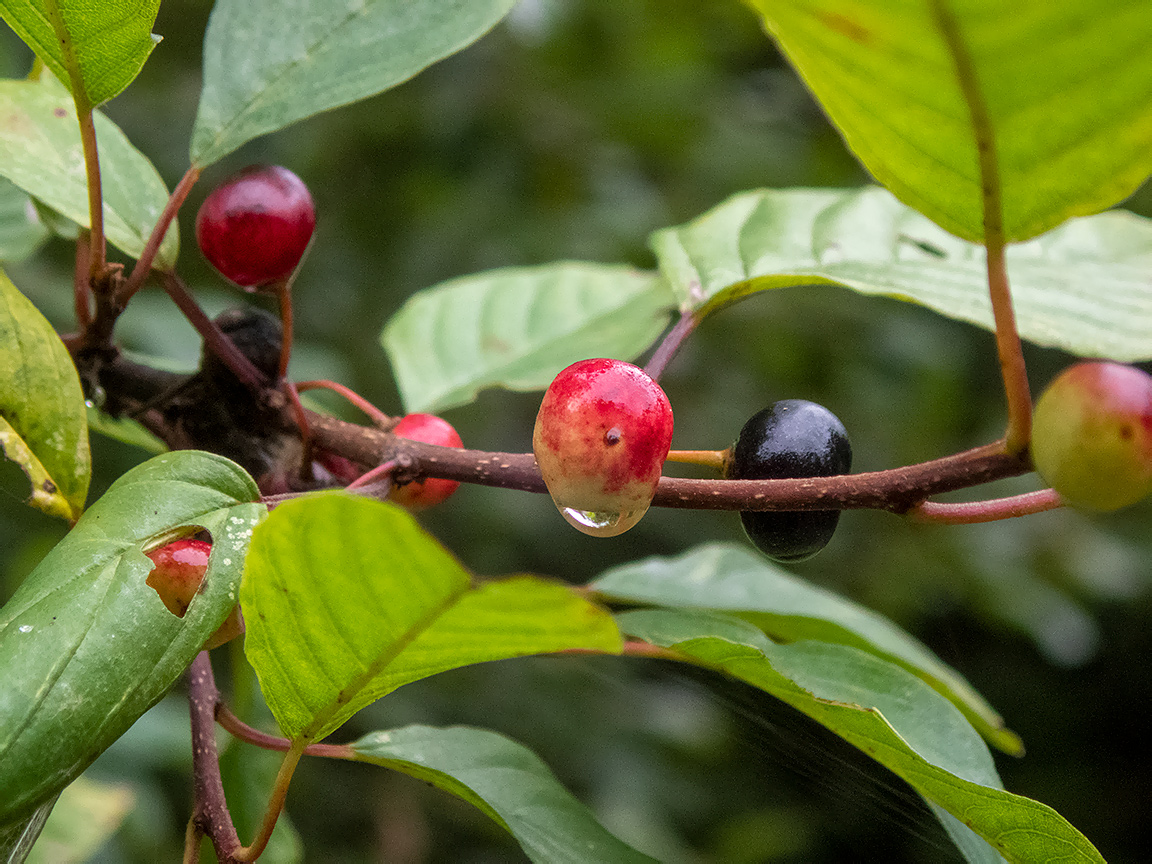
984,129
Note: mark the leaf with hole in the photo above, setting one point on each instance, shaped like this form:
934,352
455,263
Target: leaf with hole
86,646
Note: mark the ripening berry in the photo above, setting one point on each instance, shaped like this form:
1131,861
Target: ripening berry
255,226
1092,435
431,430
177,571
601,437
792,438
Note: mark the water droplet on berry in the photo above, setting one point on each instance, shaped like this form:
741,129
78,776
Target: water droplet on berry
601,523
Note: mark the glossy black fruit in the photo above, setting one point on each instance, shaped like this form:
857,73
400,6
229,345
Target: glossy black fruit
792,438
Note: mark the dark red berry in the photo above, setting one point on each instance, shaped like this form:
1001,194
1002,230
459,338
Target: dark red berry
255,226
792,438
431,430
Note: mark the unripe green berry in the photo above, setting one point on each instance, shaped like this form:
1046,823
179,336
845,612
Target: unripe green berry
1092,435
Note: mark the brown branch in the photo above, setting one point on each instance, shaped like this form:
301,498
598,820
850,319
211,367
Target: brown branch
210,811
896,489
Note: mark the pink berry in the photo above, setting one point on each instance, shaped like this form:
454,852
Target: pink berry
601,437
255,226
431,430
178,570
1092,435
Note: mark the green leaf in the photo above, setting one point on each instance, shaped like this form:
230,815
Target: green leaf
518,327
40,152
21,231
730,578
885,711
85,646
266,67
102,46
87,813
345,599
1082,287
43,424
508,782
1065,87
17,836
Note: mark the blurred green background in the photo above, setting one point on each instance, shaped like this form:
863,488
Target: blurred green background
571,132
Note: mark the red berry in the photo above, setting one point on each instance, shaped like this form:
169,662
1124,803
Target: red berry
431,430
601,437
1092,435
178,570
255,226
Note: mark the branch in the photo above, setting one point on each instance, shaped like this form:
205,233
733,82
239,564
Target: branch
210,812
896,490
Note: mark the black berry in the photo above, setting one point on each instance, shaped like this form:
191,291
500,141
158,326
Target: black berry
792,438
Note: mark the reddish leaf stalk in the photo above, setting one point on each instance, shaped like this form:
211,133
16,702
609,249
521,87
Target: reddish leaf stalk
974,512
80,283
241,730
671,344
373,413
1008,346
143,266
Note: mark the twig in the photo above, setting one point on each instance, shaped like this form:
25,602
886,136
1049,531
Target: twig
671,343
135,280
974,512
241,730
210,810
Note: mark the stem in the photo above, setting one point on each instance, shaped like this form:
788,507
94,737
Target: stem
974,512
373,413
708,458
284,294
671,344
81,286
96,244
379,473
275,803
213,336
210,811
143,266
241,730
1008,346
